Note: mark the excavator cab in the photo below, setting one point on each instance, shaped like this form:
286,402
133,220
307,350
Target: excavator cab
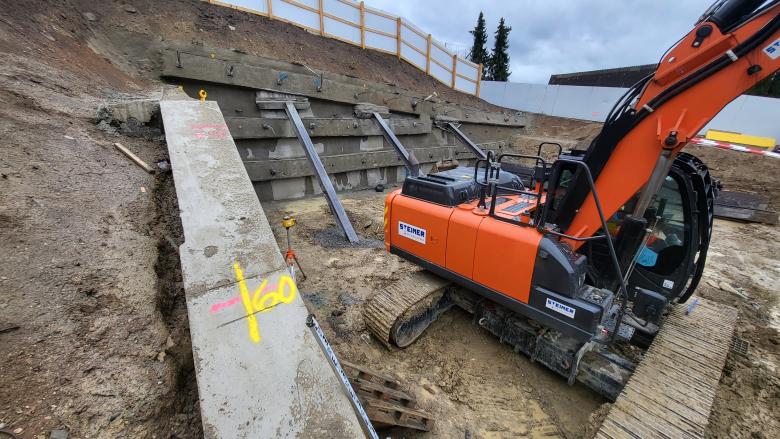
670,256
672,260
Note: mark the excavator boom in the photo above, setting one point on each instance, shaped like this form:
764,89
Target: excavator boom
730,50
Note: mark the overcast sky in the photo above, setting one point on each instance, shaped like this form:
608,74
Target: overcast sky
559,36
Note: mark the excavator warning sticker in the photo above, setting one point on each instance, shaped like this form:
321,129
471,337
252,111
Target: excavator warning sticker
560,308
773,50
411,232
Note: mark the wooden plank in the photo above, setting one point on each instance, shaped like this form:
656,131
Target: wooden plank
321,12
384,405
301,5
454,70
428,55
134,158
385,378
479,78
744,206
363,25
380,13
413,28
380,32
378,391
467,78
398,36
341,20
413,47
447,68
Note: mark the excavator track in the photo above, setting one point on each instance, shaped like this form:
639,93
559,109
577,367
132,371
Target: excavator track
671,392
402,311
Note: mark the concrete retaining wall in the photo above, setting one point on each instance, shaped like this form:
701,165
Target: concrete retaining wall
351,146
753,115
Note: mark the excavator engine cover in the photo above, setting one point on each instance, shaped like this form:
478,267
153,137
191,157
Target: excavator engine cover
453,187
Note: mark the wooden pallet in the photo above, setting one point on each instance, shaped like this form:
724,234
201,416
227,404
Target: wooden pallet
385,404
670,394
744,206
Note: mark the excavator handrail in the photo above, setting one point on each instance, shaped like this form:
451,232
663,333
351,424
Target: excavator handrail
491,182
606,235
560,148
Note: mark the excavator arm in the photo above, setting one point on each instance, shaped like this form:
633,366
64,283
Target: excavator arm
735,45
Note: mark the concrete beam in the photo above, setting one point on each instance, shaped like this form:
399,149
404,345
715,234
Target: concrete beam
266,128
366,110
260,370
271,100
257,73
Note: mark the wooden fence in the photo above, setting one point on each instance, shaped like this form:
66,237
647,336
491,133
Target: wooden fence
369,28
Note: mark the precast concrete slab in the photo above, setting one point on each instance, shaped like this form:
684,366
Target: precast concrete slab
260,370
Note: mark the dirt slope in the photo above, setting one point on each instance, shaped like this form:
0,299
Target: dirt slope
93,330
130,33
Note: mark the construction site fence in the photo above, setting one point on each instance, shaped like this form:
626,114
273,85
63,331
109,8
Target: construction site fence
360,25
752,115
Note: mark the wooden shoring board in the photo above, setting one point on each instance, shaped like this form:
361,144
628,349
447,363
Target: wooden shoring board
385,404
670,394
744,206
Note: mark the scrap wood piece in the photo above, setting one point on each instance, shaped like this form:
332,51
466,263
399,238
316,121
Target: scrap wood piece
8,327
134,157
744,206
385,403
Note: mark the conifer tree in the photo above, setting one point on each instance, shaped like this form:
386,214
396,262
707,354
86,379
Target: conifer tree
478,53
498,67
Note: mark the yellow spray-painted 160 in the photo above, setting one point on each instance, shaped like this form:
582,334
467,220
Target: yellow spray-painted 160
262,301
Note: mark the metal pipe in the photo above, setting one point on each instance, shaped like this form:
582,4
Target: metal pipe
660,172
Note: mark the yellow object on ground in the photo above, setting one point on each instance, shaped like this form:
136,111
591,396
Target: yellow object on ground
742,139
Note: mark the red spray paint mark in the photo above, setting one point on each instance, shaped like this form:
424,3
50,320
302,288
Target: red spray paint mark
210,131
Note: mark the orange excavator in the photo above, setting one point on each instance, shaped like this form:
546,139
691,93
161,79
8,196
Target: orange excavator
569,257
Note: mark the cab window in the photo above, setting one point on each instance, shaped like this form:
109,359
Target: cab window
665,248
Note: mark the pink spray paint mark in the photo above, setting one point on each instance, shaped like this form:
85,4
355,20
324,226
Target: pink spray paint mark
220,306
210,131
228,303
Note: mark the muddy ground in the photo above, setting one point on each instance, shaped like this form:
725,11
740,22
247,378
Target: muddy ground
93,328
477,387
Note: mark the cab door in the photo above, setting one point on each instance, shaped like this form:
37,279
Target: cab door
666,262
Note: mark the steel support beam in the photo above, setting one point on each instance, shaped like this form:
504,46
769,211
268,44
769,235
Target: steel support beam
466,141
322,175
410,161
